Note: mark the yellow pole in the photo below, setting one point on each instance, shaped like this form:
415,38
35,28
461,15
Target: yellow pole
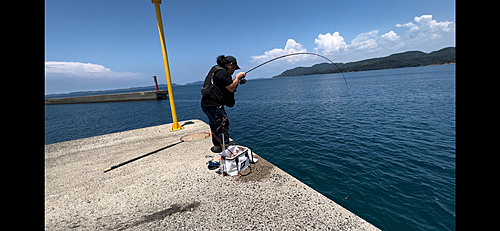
175,125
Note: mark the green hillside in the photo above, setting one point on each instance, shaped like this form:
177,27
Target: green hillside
399,60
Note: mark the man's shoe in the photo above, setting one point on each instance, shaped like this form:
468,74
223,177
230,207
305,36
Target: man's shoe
216,149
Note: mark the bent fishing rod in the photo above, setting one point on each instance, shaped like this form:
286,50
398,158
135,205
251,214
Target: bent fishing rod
300,53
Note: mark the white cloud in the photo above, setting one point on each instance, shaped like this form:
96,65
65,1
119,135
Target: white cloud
328,43
425,29
291,46
390,36
364,41
424,33
54,69
334,44
409,25
63,77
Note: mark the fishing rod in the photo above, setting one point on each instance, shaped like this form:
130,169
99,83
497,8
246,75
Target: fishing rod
300,53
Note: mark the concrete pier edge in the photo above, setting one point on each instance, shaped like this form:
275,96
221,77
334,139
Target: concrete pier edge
173,189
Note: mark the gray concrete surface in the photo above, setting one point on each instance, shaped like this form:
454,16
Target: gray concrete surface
173,189
131,96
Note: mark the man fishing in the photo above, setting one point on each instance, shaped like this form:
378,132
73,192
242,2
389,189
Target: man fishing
218,90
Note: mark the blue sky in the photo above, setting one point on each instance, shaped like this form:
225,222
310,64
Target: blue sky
96,45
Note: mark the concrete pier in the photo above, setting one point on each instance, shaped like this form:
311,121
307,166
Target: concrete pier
173,189
132,96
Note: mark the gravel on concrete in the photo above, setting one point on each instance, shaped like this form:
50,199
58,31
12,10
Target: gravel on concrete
173,189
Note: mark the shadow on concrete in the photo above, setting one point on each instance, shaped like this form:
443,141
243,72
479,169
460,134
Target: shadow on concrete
174,208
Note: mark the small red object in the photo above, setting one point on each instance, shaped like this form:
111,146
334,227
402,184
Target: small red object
156,83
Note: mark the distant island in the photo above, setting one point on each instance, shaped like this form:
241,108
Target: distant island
399,60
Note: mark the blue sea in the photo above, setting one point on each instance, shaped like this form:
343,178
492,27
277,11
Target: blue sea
386,142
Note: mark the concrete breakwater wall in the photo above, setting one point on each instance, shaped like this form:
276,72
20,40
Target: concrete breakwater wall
131,96
173,189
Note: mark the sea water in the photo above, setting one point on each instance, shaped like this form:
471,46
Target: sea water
383,147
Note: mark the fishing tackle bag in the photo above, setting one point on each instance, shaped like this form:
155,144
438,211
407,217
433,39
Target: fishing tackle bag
235,159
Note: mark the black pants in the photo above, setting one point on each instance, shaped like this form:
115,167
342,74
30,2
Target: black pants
215,116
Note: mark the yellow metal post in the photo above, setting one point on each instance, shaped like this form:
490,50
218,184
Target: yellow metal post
175,125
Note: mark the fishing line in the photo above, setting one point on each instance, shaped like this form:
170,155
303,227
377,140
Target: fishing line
302,53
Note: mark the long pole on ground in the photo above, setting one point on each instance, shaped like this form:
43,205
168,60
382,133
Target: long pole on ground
175,125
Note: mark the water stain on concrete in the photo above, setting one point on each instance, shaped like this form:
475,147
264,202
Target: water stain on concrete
260,170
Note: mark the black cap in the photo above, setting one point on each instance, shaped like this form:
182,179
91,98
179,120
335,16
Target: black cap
233,60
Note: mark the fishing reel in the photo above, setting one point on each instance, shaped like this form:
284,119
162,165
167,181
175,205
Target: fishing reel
243,81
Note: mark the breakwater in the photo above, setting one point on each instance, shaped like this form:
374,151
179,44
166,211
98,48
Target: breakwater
173,189
389,147
131,96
